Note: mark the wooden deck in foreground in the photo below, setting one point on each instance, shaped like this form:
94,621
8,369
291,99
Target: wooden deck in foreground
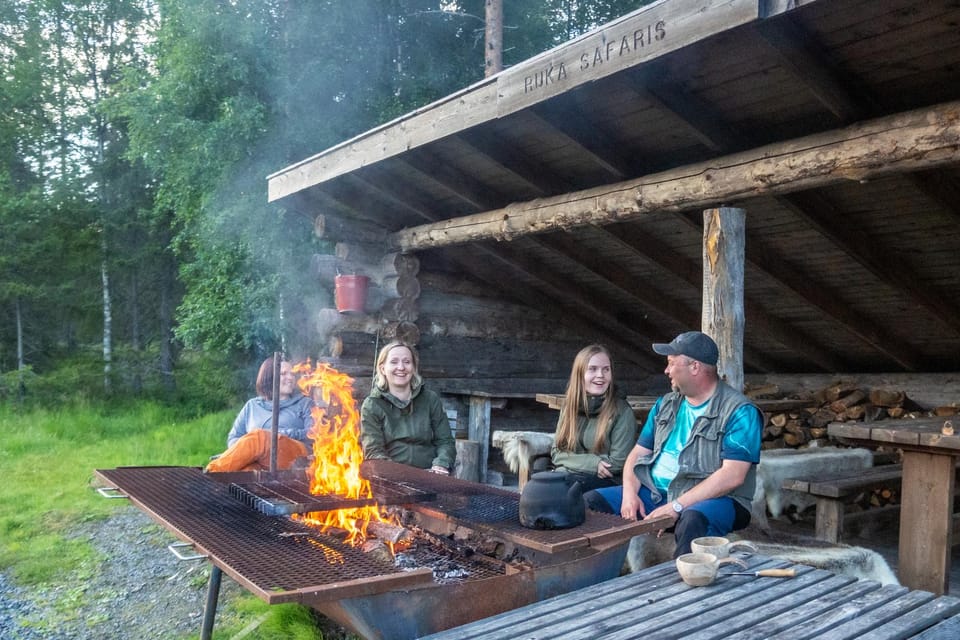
656,604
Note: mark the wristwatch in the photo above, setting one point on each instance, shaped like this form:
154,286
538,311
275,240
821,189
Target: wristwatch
677,507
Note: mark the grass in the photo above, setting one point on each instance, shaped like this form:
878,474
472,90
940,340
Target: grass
48,456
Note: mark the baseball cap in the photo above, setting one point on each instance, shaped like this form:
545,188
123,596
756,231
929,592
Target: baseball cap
692,344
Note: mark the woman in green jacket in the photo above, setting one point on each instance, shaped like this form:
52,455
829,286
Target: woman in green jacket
597,429
403,421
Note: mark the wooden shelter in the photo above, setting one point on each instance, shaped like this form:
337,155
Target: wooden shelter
561,201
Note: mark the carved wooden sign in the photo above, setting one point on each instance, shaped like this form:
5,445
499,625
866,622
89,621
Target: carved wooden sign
642,35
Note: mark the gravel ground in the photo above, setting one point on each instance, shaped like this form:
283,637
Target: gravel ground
137,589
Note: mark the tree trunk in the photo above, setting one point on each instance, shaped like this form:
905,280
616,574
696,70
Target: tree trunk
168,276
135,344
493,36
21,365
107,323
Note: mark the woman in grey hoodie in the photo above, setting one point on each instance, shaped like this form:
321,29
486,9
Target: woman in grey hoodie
295,419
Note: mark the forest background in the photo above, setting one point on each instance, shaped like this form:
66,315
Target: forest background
139,257
144,276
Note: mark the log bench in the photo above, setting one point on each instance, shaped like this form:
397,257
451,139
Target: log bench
832,493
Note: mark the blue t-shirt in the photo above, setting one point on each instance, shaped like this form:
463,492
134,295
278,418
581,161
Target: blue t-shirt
740,441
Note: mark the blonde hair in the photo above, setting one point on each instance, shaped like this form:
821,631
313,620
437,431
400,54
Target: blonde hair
576,401
380,382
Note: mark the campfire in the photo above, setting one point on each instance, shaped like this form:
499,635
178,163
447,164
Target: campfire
337,454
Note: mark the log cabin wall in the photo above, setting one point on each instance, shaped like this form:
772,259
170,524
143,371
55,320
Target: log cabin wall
472,339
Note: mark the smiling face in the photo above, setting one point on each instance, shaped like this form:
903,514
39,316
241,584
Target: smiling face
597,375
398,369
288,380
679,370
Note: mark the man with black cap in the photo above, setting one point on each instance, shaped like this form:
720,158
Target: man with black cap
696,457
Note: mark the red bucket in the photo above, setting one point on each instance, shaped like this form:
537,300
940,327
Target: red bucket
350,293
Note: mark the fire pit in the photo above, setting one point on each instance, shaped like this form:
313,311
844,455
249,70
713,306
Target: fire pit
471,558
464,555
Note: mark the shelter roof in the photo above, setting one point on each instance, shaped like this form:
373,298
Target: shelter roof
576,180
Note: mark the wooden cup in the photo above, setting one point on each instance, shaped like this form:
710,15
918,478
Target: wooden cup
718,546
700,569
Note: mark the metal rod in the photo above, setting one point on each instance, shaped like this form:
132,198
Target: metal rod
210,610
275,423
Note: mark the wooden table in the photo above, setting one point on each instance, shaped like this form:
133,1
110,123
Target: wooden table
927,521
655,604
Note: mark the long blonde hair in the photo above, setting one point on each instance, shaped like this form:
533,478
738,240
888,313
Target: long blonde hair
576,401
380,382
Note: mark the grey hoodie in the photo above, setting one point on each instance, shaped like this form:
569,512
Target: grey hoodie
294,420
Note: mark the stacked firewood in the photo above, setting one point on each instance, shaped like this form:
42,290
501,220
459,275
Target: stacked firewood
806,424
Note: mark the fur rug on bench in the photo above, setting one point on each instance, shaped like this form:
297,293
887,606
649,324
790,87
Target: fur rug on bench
519,448
841,559
777,465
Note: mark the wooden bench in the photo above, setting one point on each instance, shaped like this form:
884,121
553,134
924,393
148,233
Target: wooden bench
834,492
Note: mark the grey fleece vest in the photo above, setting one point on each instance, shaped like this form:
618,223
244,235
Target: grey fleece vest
701,455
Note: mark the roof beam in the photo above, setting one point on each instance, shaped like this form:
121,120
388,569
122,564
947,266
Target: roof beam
643,292
568,299
650,248
457,183
698,117
823,297
588,141
922,138
798,52
540,179
820,214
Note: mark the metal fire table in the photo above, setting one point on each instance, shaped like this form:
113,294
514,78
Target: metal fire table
279,559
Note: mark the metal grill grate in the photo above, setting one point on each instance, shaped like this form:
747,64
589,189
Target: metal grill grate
289,496
497,511
273,557
282,560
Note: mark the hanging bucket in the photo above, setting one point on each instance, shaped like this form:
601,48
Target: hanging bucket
350,293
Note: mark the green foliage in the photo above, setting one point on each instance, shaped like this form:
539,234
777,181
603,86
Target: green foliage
211,381
135,136
282,622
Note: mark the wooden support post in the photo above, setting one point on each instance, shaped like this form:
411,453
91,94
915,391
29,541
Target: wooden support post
926,521
467,466
723,315
829,524
479,430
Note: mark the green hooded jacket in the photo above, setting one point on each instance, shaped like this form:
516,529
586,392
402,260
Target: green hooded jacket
621,438
416,433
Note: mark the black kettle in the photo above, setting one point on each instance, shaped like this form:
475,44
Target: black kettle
548,502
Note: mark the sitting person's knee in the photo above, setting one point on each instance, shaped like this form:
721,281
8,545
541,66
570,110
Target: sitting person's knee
741,517
596,502
691,525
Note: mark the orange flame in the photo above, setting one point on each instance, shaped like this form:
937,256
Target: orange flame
336,451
